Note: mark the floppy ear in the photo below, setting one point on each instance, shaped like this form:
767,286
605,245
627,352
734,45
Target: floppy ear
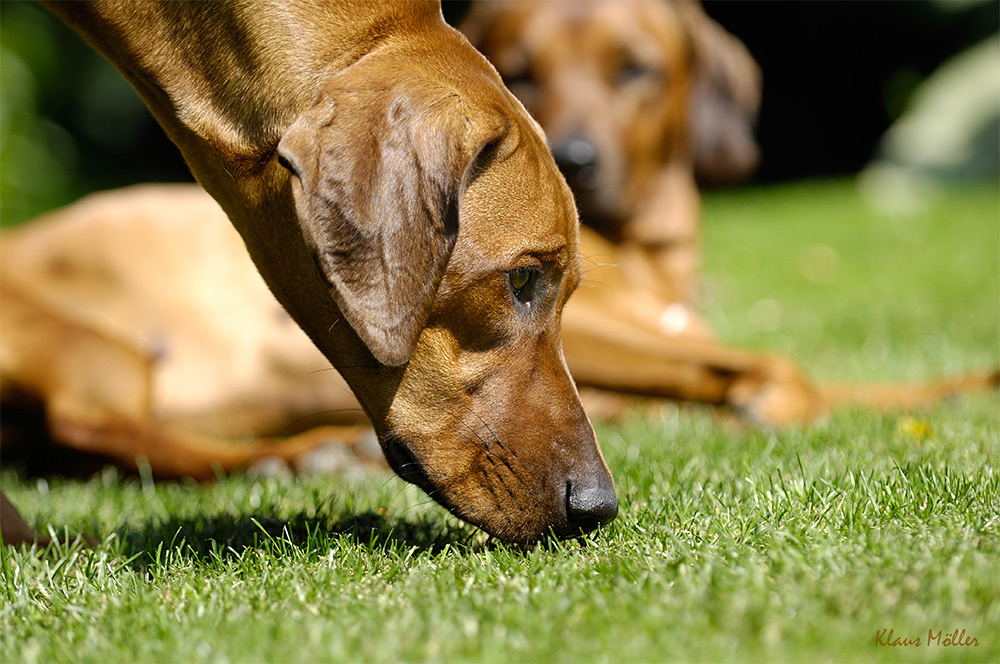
377,179
724,103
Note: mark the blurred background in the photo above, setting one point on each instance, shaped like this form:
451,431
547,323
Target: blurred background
837,74
836,77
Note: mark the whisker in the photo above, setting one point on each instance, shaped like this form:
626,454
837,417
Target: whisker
593,283
359,370
484,446
490,455
593,261
318,371
496,438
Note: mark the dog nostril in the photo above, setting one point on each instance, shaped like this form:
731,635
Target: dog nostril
590,507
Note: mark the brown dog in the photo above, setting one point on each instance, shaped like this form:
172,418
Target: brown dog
635,98
406,212
173,369
204,370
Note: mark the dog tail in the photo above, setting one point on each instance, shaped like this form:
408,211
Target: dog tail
905,396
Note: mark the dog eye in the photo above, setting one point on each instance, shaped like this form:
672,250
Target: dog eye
635,71
522,283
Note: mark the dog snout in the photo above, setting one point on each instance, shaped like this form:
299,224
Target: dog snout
591,505
577,158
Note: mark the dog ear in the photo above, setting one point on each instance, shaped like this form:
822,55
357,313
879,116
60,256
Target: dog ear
378,174
725,100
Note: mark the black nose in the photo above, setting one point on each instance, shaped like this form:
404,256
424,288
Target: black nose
590,506
577,159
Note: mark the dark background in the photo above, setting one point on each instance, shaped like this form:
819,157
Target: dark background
835,76
837,73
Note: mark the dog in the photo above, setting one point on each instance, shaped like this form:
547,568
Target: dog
405,211
639,100
92,277
204,371
181,368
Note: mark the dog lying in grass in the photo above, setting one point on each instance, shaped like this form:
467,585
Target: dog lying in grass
204,371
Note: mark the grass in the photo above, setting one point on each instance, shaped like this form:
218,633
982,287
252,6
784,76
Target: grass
812,270
732,544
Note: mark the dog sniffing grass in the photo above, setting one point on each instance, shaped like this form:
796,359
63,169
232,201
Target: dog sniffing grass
731,543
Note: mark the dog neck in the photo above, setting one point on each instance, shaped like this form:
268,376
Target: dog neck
232,79
225,82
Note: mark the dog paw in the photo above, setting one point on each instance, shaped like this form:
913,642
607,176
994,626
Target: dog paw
776,395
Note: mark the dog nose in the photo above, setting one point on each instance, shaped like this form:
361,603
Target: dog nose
588,507
577,159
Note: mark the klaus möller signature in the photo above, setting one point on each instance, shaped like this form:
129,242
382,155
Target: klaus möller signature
958,638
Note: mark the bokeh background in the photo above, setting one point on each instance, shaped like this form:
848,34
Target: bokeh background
836,76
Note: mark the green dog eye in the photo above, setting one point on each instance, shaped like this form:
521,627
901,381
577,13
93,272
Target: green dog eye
519,278
522,283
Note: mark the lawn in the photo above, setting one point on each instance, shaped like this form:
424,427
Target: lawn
825,543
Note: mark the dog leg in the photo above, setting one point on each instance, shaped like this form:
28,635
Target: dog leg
14,528
604,351
908,395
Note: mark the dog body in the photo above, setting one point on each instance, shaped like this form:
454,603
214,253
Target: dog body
160,276
175,370
178,371
403,208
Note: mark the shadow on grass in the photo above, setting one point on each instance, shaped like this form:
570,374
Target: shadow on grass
212,538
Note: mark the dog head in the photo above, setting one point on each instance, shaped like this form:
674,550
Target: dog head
448,241
634,96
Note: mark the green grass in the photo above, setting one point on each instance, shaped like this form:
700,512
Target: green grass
732,543
811,270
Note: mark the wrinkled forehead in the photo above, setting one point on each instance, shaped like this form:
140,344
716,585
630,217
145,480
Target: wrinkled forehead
516,201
